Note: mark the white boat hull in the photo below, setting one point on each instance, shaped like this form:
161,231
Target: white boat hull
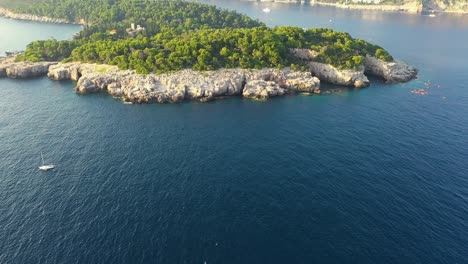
46,167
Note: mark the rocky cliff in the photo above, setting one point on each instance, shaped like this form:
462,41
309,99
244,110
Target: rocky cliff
185,84
391,72
331,74
14,70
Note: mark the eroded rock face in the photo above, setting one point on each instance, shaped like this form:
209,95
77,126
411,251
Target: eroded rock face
328,73
10,68
304,54
61,71
301,81
26,69
148,89
391,72
93,82
205,86
260,89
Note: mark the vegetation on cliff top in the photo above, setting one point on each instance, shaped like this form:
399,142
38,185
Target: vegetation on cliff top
182,34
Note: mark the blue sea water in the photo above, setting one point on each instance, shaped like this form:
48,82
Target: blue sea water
376,175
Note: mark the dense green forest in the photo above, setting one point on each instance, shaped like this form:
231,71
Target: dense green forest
102,15
182,35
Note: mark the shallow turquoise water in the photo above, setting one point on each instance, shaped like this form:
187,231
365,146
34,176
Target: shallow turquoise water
376,175
16,34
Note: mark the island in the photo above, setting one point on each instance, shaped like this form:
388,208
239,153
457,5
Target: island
147,51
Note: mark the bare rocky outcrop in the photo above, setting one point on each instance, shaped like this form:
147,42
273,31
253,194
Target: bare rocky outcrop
64,72
304,54
24,69
391,72
261,90
207,85
292,81
302,82
74,70
145,89
327,72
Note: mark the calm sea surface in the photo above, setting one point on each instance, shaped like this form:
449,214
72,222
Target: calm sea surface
376,175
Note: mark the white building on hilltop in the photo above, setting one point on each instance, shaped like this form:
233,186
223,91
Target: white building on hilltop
133,31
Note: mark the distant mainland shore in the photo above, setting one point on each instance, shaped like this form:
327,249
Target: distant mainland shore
408,6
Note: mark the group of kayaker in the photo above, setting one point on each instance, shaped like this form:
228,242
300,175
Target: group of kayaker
423,91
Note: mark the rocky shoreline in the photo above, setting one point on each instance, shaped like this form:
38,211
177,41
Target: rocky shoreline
4,12
391,72
208,85
170,87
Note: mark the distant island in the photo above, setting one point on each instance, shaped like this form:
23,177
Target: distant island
169,51
411,6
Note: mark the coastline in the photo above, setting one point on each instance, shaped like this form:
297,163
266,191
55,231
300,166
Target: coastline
188,84
7,13
184,85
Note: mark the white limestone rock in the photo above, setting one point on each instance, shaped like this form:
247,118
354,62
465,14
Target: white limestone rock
328,73
261,90
18,70
301,81
391,72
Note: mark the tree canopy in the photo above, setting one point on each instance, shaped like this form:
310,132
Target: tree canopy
181,34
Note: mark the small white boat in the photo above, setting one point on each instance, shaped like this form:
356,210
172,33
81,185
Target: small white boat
266,10
45,167
126,102
432,15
